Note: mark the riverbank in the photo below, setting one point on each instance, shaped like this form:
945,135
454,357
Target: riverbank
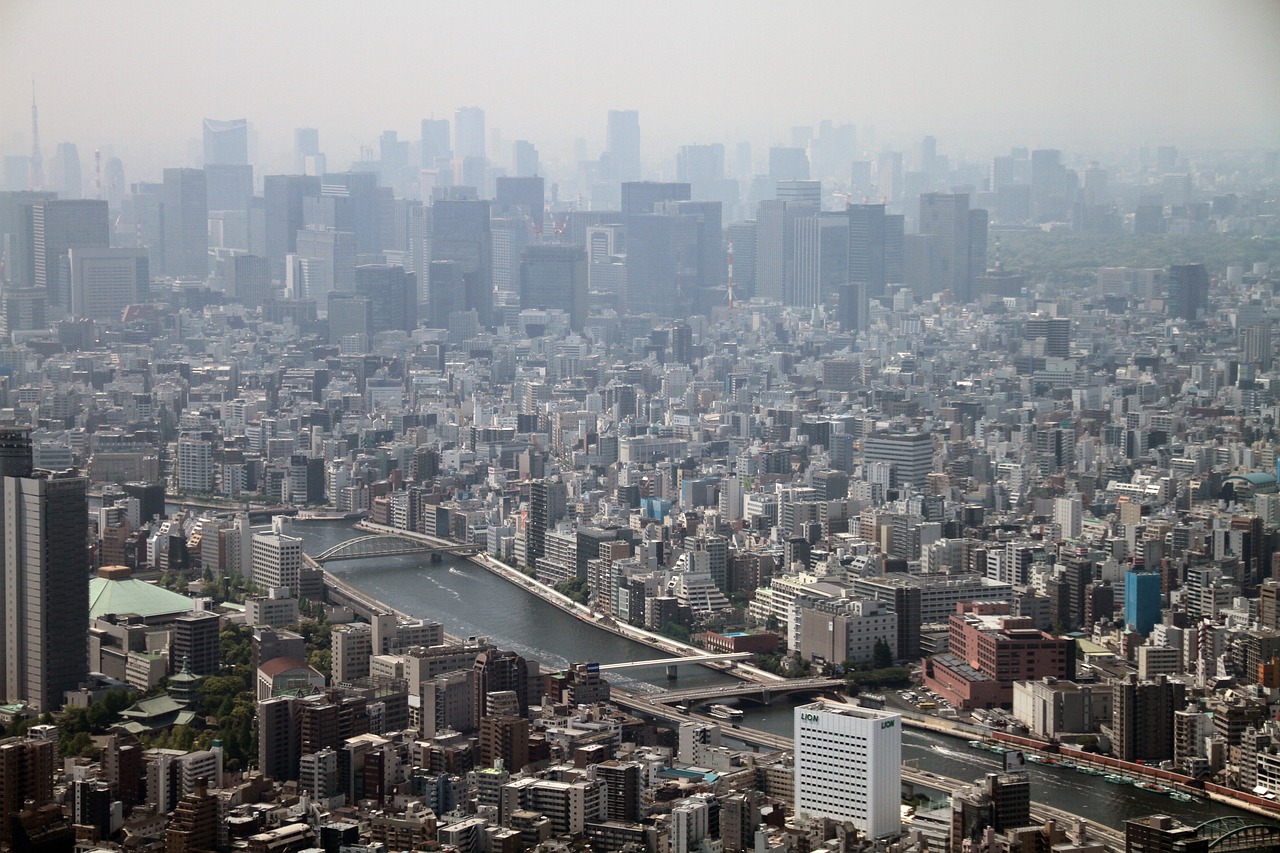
603,621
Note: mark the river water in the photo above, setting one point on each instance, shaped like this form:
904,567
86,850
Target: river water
470,601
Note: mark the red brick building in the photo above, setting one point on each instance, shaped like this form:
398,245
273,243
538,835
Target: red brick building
988,651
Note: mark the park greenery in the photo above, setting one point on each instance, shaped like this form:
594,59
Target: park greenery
1071,260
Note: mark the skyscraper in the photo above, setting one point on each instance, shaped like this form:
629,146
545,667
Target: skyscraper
56,228
524,159
306,143
526,194
283,196
434,145
909,454
44,592
247,279
226,142
642,196
67,175
104,281
848,766
392,295
622,147
555,277
468,133
961,239
867,246
460,232
1188,292
1141,601
186,224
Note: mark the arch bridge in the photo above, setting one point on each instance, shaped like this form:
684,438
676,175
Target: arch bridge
1239,833
389,545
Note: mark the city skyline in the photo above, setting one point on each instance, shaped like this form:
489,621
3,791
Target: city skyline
1109,78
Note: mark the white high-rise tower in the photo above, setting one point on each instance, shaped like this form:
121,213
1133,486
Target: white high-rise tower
848,766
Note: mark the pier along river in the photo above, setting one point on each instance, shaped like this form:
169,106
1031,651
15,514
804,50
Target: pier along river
468,600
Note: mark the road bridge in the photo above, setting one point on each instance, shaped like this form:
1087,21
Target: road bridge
672,663
389,545
762,690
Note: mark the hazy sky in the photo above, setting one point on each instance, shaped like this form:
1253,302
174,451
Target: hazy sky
1101,76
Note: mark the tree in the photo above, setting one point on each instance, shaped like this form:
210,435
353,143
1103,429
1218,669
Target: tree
675,631
881,655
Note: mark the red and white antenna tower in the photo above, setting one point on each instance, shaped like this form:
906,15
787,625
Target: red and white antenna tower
35,177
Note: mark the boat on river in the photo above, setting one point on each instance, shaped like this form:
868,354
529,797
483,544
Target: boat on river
725,712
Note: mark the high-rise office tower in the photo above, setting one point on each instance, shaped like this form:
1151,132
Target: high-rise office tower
1049,185
228,187
710,218
186,224
327,261
848,766
44,592
1141,601
105,281
446,293
909,454
226,143
1055,333
832,150
306,143
468,133
889,175
662,263
350,316
622,146
283,196
56,228
702,167
349,201
555,277
1258,348
392,295
775,244
1188,292
788,164
67,177
460,232
525,195
524,159
641,196
277,560
434,145
17,246
960,241
867,246
741,238
821,259
247,279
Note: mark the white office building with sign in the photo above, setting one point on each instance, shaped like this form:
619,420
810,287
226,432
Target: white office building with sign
848,766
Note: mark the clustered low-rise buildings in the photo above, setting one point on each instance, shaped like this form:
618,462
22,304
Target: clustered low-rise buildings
1057,500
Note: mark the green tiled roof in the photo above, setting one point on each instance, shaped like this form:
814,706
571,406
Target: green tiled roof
130,595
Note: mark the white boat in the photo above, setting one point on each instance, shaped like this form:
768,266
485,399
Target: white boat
725,712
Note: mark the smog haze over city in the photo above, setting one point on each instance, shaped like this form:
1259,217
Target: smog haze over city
1100,77
660,427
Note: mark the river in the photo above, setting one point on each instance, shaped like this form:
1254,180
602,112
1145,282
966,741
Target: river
470,601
